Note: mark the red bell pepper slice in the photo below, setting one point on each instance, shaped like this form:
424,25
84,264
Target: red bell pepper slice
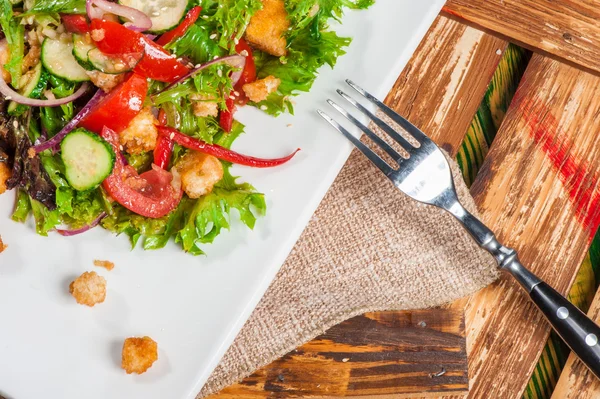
248,74
164,145
226,117
157,63
221,152
119,106
75,23
190,18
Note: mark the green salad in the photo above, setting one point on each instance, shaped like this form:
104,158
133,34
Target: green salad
122,114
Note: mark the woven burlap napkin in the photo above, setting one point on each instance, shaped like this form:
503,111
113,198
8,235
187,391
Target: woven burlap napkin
368,247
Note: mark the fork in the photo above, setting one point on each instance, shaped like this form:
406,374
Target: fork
425,176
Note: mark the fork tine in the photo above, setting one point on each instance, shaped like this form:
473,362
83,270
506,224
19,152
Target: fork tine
409,127
378,140
380,163
384,126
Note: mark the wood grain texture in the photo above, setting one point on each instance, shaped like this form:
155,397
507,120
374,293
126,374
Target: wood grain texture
538,190
442,86
569,29
576,381
451,68
383,353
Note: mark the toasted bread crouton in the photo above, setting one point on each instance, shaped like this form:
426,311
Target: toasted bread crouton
141,133
105,264
199,173
267,26
105,81
138,354
204,106
259,90
5,174
88,289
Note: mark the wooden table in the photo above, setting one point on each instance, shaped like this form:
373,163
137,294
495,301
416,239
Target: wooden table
534,170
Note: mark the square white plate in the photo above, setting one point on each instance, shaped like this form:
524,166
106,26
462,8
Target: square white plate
193,307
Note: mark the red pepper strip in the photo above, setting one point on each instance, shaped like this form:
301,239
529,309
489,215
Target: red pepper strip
164,145
75,23
157,63
179,30
248,74
226,117
221,152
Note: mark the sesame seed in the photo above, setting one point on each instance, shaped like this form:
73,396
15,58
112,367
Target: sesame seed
244,53
171,136
232,97
213,36
121,147
205,16
163,9
156,14
198,65
236,40
15,124
8,97
215,57
263,107
237,93
220,73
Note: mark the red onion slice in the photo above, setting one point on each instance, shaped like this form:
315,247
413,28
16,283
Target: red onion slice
10,94
236,61
55,141
138,21
83,229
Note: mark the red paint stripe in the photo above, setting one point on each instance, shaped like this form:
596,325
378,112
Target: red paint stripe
573,172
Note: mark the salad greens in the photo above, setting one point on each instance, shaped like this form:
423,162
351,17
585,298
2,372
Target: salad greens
194,105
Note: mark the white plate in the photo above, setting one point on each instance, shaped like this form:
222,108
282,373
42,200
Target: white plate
193,307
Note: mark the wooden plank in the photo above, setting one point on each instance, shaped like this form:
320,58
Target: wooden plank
569,29
451,68
384,353
538,189
576,381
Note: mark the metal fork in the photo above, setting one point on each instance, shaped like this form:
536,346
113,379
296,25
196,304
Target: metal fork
425,176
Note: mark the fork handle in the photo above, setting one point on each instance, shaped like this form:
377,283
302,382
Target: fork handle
578,331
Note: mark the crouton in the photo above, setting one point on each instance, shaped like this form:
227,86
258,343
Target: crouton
5,174
204,106
259,90
198,173
138,354
105,264
3,246
105,81
141,133
88,289
267,26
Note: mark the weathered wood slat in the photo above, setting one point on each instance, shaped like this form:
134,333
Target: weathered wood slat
538,189
576,381
380,353
569,29
440,91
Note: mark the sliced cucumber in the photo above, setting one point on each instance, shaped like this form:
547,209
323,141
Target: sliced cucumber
82,44
88,159
164,14
58,59
111,64
32,85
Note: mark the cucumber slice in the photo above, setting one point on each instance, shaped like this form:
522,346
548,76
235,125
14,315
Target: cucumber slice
164,14
82,44
111,64
58,59
88,159
32,84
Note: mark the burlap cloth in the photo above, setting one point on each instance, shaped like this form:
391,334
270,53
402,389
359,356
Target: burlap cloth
368,247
